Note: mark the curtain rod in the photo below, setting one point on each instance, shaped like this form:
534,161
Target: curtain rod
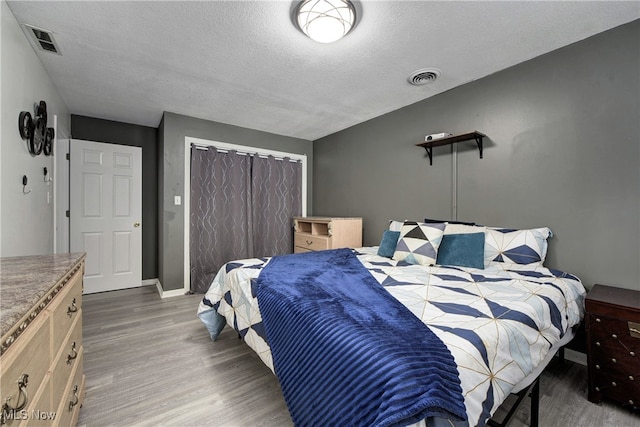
241,153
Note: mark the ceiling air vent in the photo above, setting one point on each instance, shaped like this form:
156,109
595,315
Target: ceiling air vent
43,39
424,76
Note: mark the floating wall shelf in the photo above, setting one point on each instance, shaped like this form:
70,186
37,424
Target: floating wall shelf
428,145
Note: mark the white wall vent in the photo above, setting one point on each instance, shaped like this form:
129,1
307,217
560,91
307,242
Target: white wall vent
423,76
42,39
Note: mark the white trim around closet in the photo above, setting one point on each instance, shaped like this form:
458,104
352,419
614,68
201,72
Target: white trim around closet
241,149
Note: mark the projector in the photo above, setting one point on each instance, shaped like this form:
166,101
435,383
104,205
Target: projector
436,136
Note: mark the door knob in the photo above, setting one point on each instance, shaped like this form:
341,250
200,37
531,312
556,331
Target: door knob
136,224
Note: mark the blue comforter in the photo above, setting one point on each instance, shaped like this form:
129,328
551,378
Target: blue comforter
348,353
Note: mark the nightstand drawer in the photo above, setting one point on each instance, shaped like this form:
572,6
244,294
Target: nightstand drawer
310,242
613,334
623,388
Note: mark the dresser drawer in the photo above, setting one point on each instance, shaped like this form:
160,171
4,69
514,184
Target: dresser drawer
614,333
310,242
40,412
73,396
67,359
618,386
26,362
65,310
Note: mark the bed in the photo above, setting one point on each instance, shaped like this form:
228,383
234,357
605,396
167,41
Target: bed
483,294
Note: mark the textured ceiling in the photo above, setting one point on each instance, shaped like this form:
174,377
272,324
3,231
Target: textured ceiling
244,63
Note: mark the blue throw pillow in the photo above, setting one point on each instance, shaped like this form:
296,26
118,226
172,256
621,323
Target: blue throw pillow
463,250
388,243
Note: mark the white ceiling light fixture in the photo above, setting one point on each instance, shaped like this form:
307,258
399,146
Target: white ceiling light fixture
325,21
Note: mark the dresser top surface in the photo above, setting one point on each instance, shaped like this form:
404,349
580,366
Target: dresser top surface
24,280
614,296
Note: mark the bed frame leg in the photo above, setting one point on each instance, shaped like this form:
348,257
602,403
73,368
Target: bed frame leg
535,402
533,391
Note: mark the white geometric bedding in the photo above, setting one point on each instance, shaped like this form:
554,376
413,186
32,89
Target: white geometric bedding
499,323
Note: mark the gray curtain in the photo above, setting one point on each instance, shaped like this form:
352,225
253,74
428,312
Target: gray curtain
276,197
241,207
220,213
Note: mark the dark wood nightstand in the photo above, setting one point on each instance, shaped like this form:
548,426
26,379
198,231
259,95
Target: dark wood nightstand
613,344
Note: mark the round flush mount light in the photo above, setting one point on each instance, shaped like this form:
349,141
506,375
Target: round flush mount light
423,76
325,21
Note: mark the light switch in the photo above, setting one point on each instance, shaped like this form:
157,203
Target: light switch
177,200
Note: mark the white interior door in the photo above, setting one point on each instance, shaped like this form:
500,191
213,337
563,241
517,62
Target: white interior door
61,195
105,213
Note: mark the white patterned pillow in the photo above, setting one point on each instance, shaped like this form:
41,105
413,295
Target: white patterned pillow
418,242
516,246
395,225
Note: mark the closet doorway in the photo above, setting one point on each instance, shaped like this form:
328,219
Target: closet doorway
239,202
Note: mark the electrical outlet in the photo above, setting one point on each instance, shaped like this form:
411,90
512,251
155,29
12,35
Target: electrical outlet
177,200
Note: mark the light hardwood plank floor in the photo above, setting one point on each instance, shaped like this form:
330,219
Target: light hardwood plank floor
150,362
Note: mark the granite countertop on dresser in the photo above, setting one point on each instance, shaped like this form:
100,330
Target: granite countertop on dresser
24,280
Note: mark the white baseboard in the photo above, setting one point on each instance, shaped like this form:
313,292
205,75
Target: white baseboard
173,293
575,356
164,294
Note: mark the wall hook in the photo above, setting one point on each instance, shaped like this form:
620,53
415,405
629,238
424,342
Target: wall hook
47,178
24,185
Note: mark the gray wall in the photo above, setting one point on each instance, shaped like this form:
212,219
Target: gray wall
173,130
26,220
563,152
99,130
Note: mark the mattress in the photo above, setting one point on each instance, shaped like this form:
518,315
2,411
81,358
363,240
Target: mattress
501,323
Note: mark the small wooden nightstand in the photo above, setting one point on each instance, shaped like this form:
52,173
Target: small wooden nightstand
613,344
320,233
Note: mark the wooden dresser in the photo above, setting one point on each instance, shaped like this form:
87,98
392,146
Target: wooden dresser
42,380
319,233
613,344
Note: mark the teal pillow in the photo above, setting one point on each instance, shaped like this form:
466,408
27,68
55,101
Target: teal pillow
462,250
388,243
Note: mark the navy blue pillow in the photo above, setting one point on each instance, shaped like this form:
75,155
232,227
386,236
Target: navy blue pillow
388,243
463,250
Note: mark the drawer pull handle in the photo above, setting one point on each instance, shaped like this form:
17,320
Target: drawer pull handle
74,353
598,320
613,360
597,366
613,383
632,353
23,381
630,402
614,336
631,378
308,242
72,307
74,401
597,388
598,343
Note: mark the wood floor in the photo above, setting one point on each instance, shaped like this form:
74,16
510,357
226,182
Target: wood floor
150,362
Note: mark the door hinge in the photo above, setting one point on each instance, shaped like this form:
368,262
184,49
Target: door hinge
68,156
67,214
